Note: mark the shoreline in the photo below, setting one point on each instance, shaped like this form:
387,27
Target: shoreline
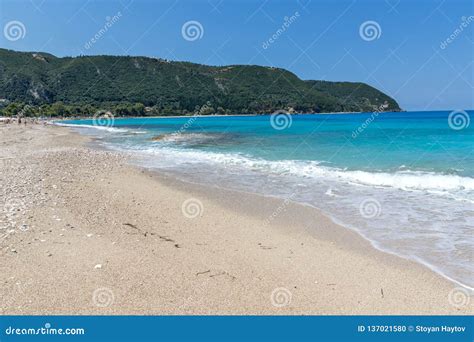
53,121
373,243
160,176
326,268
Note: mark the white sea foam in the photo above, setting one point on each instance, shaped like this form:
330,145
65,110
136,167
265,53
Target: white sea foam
408,180
187,138
102,128
403,180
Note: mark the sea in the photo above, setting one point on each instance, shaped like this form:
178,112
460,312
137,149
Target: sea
402,180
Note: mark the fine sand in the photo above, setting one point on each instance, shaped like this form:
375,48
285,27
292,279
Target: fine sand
84,232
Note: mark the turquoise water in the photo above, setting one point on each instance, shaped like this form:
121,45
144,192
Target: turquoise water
405,181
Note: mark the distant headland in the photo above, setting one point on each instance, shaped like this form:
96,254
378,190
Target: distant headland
40,84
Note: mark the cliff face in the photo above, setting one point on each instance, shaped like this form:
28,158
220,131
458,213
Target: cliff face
180,87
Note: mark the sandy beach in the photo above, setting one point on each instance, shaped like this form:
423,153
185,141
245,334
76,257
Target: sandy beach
85,232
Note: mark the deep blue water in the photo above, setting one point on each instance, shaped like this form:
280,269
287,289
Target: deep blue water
405,180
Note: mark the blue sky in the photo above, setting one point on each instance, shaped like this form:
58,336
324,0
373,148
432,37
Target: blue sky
405,59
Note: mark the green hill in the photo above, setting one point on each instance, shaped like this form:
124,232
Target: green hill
150,86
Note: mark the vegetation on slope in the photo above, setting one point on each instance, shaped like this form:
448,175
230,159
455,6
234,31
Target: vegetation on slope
149,86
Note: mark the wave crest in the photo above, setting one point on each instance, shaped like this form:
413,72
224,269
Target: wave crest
102,128
403,180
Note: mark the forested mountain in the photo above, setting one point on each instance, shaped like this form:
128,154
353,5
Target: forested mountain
150,86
